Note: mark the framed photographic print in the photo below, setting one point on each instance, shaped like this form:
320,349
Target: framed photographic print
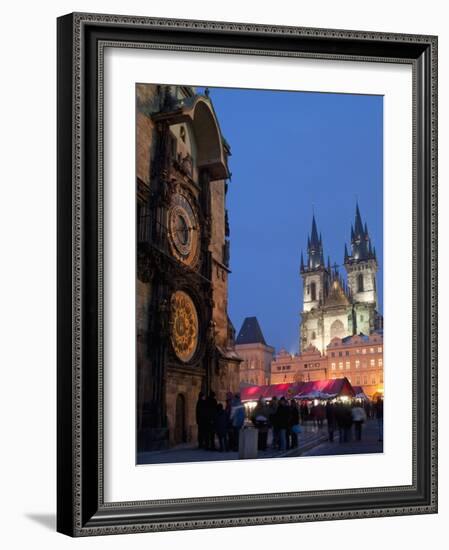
247,292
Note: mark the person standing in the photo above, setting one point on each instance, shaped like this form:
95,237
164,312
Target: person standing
221,428
379,408
274,428
331,420
237,420
293,425
347,423
228,410
358,417
282,417
201,421
211,413
260,417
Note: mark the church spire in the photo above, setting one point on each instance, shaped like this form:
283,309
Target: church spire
315,248
360,240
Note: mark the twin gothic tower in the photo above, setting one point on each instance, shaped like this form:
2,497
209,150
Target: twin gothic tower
331,307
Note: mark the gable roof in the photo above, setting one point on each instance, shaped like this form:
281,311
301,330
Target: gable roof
250,333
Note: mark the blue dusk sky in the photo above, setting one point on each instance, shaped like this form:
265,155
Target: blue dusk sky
295,153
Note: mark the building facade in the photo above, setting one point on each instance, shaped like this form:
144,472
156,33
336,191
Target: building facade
331,307
185,340
359,358
256,355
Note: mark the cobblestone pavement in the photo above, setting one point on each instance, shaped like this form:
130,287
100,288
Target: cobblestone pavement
369,444
310,437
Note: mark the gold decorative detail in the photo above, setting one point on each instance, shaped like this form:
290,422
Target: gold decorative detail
184,321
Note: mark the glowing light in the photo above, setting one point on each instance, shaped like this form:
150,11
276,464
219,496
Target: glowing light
344,398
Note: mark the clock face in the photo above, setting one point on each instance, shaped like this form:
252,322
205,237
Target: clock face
183,230
184,326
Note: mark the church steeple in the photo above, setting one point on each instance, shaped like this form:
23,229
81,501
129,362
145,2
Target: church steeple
360,240
361,268
315,254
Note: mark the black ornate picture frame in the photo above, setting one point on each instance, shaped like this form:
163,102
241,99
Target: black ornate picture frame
81,509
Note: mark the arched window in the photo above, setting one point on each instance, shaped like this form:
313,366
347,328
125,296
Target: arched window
313,291
360,282
337,329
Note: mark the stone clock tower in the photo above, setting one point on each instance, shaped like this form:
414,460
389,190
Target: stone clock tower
185,341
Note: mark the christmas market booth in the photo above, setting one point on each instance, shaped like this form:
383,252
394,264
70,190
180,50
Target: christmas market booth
322,390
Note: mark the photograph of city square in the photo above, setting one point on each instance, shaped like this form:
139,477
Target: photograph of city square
259,274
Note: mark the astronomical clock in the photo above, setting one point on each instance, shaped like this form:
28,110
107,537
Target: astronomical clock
184,326
184,229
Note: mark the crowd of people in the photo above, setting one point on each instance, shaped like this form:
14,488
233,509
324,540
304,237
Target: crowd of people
283,418
219,423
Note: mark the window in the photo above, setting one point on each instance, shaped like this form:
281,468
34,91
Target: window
373,380
337,329
371,350
360,283
340,365
357,364
333,354
333,366
363,351
372,363
340,354
365,380
347,353
348,365
379,350
381,378
357,380
380,362
313,291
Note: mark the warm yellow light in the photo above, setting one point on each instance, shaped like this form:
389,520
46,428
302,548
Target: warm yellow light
344,398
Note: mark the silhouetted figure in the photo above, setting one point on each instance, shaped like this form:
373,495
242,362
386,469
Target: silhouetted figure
211,413
237,419
221,427
331,419
358,417
260,419
202,421
379,411
282,418
292,440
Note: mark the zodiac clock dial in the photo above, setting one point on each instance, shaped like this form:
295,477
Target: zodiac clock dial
184,326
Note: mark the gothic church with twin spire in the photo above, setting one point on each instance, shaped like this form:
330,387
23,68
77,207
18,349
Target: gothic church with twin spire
333,307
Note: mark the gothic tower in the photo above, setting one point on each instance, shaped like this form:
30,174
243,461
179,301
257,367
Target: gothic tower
314,273
315,277
361,268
